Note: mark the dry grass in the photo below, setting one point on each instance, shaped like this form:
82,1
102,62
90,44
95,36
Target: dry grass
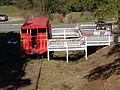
11,11
102,72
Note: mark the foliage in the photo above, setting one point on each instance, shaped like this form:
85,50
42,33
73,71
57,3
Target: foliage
107,8
101,8
5,2
23,4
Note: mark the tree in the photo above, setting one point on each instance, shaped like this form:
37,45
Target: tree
107,8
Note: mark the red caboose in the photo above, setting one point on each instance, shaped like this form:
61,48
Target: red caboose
34,35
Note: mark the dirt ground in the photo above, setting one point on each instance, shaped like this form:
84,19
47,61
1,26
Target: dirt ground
100,72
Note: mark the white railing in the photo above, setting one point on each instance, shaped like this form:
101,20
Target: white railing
67,45
88,27
96,37
89,37
65,32
61,44
98,40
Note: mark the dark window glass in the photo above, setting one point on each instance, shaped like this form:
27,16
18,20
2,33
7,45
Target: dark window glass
24,30
41,30
33,32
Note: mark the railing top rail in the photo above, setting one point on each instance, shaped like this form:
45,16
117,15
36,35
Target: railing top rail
76,39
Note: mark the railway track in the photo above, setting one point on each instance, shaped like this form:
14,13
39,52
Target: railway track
32,73
39,75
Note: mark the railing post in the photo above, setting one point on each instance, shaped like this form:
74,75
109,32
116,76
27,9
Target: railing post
64,34
86,48
66,45
109,39
48,53
67,55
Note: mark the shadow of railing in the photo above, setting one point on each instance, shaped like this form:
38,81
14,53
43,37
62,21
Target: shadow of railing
92,49
12,62
73,55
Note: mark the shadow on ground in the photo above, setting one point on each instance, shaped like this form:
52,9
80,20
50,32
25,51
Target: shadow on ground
105,71
73,55
93,49
12,62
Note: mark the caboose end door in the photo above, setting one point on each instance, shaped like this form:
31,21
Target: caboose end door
41,40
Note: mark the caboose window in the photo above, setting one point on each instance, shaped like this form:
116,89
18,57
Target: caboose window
34,32
41,30
24,30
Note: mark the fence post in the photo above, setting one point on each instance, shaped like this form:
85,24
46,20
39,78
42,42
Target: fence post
64,34
109,39
86,48
48,53
66,51
67,55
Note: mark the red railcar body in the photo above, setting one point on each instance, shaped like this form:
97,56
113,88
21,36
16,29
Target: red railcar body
35,33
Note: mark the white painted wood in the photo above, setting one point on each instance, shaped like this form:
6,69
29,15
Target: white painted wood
66,45
67,32
78,40
48,55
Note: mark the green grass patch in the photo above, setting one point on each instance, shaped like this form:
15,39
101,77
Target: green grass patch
55,22
15,22
33,59
11,11
4,31
83,19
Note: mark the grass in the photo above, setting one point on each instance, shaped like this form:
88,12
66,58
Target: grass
11,11
59,75
84,19
15,22
88,19
4,31
55,22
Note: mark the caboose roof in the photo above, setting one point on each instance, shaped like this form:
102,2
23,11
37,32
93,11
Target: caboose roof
36,22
